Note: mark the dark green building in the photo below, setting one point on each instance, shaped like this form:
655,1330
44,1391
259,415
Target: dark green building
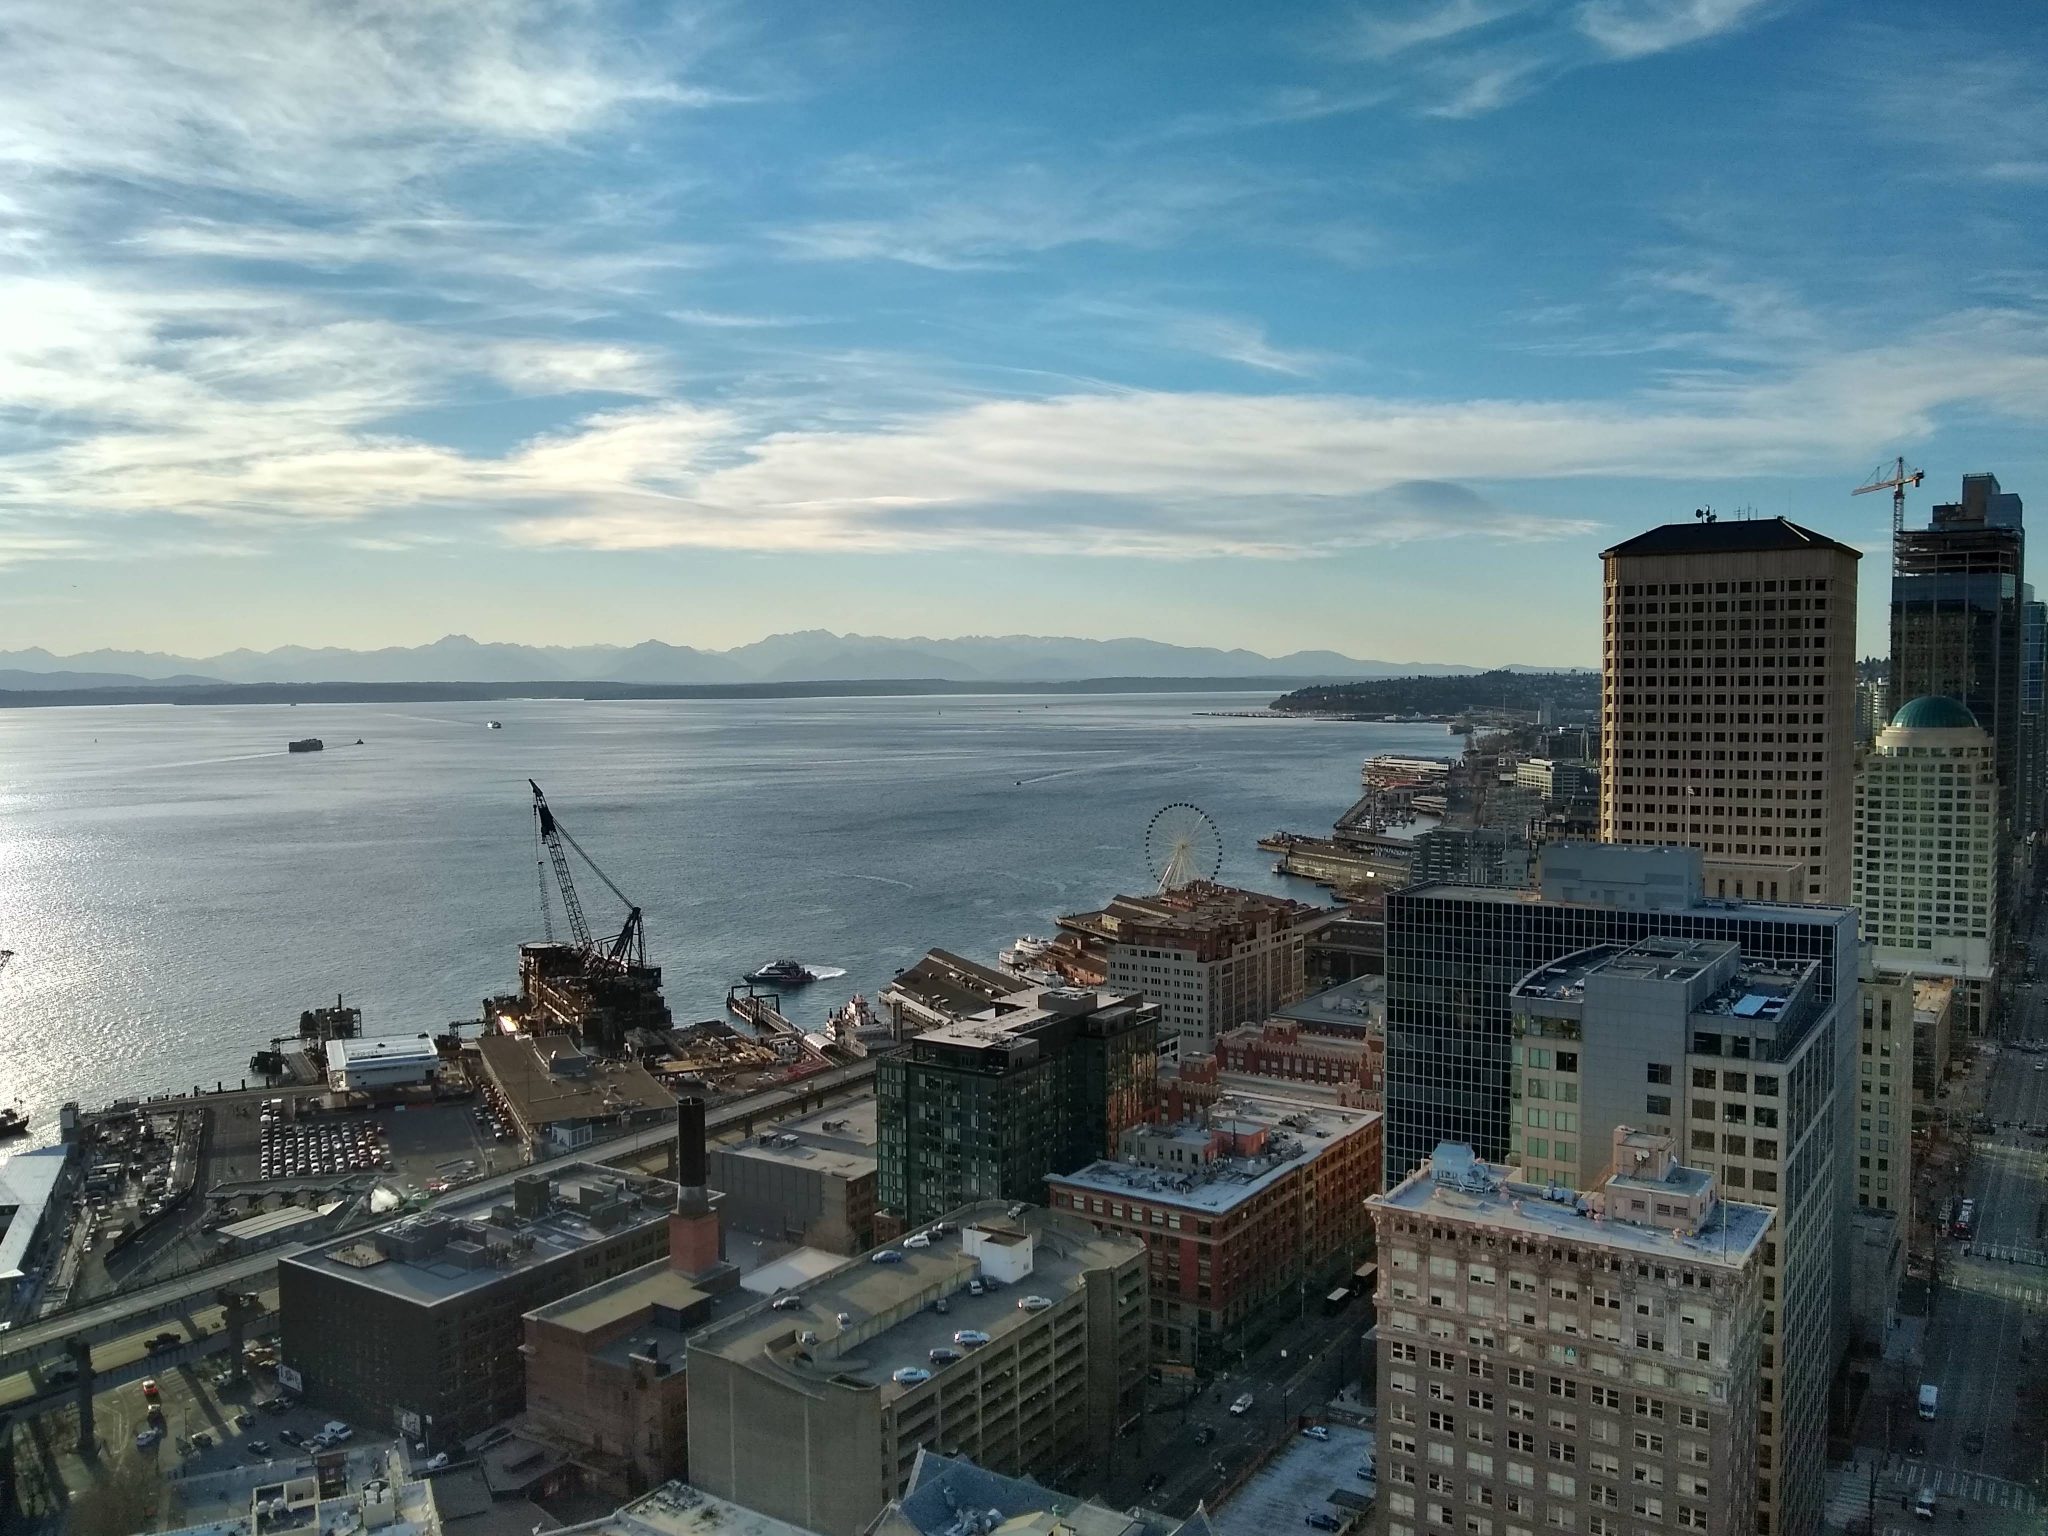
987,1108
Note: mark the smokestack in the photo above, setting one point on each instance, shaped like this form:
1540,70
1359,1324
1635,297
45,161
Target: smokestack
690,1161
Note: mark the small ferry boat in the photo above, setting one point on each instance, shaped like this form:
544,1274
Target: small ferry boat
306,744
493,725
787,973
13,1123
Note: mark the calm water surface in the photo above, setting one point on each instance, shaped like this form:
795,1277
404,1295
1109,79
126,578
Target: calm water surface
177,888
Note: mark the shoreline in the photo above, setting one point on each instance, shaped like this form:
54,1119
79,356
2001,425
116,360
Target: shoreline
459,692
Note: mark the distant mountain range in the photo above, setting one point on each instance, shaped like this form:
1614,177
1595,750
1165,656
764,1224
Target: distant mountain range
807,656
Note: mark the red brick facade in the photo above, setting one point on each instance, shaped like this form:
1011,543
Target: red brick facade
1354,1068
1214,1264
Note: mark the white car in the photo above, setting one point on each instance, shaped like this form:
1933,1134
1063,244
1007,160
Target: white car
917,1240
437,1461
1243,1405
970,1338
1316,1432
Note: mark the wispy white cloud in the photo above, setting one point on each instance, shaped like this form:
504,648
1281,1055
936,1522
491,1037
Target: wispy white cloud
1634,29
977,219
1469,58
1975,108
1151,473
322,101
1381,31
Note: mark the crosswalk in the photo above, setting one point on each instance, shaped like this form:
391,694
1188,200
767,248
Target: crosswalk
2027,1292
2009,1253
1849,1491
1977,1488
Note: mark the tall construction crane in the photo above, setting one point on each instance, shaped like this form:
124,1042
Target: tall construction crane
630,947
1896,482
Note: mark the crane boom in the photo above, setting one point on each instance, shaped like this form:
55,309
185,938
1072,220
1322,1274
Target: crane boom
1896,482
551,839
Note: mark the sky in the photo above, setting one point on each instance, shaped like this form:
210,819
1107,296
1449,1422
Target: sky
1362,327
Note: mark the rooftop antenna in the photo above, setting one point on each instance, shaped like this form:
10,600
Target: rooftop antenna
1704,514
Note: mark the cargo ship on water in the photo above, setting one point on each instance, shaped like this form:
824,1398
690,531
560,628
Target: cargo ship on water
306,744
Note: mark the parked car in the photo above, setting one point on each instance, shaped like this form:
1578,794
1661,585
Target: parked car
437,1461
1316,1432
149,1388
244,1419
1923,1507
146,1437
257,1448
291,1436
1324,1522
1243,1405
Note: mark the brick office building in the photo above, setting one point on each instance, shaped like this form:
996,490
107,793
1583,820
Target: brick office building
1255,1204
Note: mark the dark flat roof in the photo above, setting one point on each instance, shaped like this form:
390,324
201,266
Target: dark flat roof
1750,536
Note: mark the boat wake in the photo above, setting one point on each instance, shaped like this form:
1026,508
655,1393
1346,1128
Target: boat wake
826,972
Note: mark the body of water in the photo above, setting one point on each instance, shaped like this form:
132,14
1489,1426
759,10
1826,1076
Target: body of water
177,888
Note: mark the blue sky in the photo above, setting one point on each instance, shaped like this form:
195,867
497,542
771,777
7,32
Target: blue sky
1361,326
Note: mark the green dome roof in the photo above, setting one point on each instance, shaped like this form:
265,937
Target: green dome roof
1935,714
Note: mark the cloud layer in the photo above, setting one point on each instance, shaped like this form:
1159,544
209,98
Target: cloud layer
480,271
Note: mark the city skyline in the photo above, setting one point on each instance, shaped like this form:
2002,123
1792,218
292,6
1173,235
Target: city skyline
590,324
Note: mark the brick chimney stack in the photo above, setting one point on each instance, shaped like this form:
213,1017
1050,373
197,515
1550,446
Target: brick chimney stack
695,1244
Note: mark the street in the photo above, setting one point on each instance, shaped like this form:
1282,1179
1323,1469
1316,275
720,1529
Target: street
1986,1338
1294,1372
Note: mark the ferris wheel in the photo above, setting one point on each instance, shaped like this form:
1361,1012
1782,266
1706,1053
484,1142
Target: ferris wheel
1182,846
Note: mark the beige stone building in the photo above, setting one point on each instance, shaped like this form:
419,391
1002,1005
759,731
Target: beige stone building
1728,706
1568,1362
1213,957
1884,1094
813,1408
1926,872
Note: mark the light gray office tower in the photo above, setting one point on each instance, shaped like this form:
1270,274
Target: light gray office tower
1691,1040
1455,959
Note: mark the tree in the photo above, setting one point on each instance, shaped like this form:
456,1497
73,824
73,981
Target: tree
123,1499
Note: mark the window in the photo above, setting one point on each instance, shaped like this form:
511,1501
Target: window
1646,1441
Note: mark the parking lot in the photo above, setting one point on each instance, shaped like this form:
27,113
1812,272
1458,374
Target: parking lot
331,1147
206,1424
302,1148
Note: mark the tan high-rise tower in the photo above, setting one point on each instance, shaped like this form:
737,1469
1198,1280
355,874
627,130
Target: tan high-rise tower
1728,703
